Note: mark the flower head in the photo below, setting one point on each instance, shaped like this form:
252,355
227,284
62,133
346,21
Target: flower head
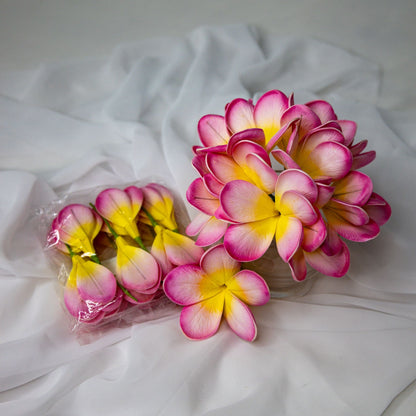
241,114
215,288
89,290
354,211
159,204
258,219
137,269
121,209
76,226
321,154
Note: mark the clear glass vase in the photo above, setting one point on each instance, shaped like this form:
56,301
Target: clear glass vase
278,276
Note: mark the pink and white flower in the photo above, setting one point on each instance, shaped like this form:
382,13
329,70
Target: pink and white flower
258,219
76,225
215,288
121,209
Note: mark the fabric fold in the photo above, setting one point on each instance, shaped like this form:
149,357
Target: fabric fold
347,348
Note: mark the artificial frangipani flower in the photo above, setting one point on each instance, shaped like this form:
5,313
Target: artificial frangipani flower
76,226
97,286
308,202
213,289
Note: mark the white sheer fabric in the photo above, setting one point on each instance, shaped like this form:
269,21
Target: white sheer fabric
346,348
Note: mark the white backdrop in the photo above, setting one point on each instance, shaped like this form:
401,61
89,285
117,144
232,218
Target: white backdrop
346,348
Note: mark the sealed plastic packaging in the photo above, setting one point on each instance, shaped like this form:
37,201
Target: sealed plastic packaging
111,248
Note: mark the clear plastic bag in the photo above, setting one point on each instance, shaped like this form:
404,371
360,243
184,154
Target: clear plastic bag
107,275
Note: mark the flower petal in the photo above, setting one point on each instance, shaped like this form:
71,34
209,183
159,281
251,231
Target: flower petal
295,180
224,168
284,159
221,215
332,243
212,232
290,141
352,232
308,120
209,228
245,202
328,161
314,235
323,110
355,188
114,305
315,138
281,138
239,318
95,282
53,240
333,124
378,209
219,265
136,268
249,287
181,249
260,173
297,266
202,151
239,115
346,212
348,128
72,300
268,111
248,242
139,298
325,193
212,184
253,135
77,307
189,284
197,224
293,204
363,159
202,320
198,196
212,130
243,148
159,253
358,147
198,162
136,197
336,265
288,236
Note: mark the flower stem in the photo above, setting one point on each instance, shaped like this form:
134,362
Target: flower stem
95,258
151,219
126,292
71,253
112,231
139,241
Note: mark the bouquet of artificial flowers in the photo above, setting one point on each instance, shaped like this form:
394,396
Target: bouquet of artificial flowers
273,171
284,172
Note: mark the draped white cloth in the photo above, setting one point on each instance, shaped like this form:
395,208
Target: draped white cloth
346,348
